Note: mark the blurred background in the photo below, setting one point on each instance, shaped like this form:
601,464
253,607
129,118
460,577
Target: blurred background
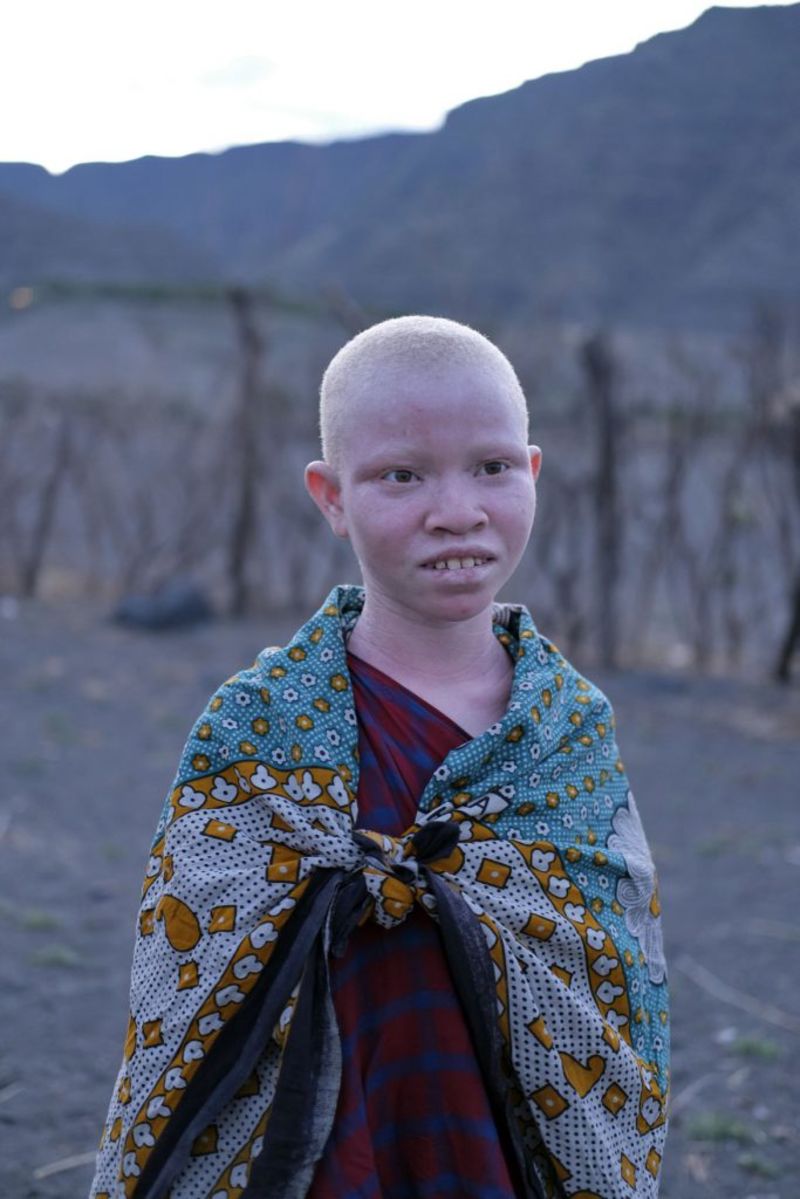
195,214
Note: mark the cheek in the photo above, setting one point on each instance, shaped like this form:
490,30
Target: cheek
518,509
376,523
520,523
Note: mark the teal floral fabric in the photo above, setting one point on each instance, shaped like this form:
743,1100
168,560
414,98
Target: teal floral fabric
547,857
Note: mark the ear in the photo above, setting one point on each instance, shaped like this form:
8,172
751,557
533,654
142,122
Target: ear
536,460
322,484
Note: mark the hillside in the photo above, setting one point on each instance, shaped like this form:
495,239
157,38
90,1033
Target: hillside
660,186
37,243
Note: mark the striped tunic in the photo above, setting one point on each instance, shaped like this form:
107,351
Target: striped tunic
414,1119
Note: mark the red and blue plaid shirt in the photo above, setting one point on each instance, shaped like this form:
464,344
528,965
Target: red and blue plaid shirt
414,1118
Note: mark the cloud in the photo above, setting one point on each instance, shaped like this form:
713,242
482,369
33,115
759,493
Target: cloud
245,71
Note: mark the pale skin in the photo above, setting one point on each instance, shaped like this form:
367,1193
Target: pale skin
432,466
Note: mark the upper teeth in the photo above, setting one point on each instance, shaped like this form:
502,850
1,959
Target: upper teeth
457,563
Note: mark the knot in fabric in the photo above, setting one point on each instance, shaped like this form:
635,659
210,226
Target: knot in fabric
391,877
429,842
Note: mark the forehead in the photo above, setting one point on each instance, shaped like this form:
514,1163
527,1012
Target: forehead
408,402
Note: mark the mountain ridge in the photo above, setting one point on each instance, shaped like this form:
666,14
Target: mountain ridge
660,185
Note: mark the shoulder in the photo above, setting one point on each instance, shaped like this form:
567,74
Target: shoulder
237,717
564,705
233,725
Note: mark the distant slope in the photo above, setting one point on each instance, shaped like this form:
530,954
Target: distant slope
661,185
37,244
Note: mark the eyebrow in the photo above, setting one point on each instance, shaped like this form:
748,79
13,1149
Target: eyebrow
420,454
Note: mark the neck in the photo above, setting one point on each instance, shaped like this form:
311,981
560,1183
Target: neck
450,653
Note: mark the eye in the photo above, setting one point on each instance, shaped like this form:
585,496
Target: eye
397,471
495,462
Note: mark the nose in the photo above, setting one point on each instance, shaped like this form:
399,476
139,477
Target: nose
455,507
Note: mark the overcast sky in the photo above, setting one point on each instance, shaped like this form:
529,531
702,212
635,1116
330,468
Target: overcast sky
106,80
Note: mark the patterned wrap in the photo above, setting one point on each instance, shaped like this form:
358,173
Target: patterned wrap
527,836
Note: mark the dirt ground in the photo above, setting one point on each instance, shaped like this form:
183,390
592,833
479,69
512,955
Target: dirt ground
93,721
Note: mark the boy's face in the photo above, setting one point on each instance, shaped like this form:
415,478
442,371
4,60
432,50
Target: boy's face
434,468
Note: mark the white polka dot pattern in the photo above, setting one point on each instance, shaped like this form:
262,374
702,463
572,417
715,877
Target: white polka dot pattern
547,852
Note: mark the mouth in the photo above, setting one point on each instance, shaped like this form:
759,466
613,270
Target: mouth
459,568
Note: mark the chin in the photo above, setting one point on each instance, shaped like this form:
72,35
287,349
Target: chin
462,607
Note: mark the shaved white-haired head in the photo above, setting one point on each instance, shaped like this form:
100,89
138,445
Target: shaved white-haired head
406,348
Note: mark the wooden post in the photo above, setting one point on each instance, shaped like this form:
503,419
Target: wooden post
251,346
791,640
599,366
40,534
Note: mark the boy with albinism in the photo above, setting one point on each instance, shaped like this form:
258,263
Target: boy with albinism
399,935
